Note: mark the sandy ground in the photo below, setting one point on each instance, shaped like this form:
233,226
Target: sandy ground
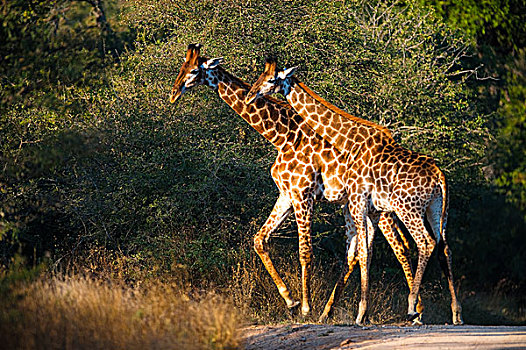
316,336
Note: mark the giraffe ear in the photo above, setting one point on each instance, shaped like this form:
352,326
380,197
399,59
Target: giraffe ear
211,64
287,73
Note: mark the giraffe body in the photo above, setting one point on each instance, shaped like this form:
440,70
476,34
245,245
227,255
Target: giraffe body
381,176
307,168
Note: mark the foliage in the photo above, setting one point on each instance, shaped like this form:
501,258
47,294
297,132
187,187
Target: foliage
499,29
50,46
388,63
499,70
511,153
499,23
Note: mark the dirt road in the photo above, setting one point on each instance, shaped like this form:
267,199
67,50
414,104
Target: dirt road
315,336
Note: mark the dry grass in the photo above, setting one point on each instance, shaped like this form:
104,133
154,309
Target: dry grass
96,313
82,313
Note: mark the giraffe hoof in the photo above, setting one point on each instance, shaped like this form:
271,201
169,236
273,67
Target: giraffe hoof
457,317
362,325
362,322
413,316
293,308
327,313
417,322
458,322
294,305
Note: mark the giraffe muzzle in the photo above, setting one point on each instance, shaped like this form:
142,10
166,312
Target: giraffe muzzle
175,95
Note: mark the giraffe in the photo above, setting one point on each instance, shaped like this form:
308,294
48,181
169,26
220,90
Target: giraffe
381,175
307,168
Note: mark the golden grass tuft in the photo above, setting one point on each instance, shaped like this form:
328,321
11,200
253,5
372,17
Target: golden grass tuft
82,313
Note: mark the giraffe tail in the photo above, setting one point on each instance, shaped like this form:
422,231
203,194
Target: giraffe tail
445,202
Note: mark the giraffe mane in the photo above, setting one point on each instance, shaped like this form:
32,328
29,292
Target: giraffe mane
335,109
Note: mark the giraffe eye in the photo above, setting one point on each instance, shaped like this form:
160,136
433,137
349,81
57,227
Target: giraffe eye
191,80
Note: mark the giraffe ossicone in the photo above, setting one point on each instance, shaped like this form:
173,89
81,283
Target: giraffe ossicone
381,175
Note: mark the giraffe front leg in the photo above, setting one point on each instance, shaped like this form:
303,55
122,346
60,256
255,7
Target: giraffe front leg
303,211
365,235
281,210
348,266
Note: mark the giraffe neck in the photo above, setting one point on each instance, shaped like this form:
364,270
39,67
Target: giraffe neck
263,115
338,127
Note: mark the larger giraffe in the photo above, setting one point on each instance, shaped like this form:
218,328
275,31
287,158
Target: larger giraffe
381,175
307,168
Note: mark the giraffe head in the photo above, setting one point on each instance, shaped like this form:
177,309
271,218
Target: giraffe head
271,81
193,72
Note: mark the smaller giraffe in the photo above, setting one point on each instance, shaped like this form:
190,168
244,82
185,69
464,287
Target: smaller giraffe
381,176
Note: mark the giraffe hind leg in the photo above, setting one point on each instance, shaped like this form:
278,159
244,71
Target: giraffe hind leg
351,260
365,234
400,246
280,212
348,267
414,222
444,257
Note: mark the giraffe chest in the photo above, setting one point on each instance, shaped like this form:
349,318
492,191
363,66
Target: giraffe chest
331,189
380,200
297,172
372,182
332,172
